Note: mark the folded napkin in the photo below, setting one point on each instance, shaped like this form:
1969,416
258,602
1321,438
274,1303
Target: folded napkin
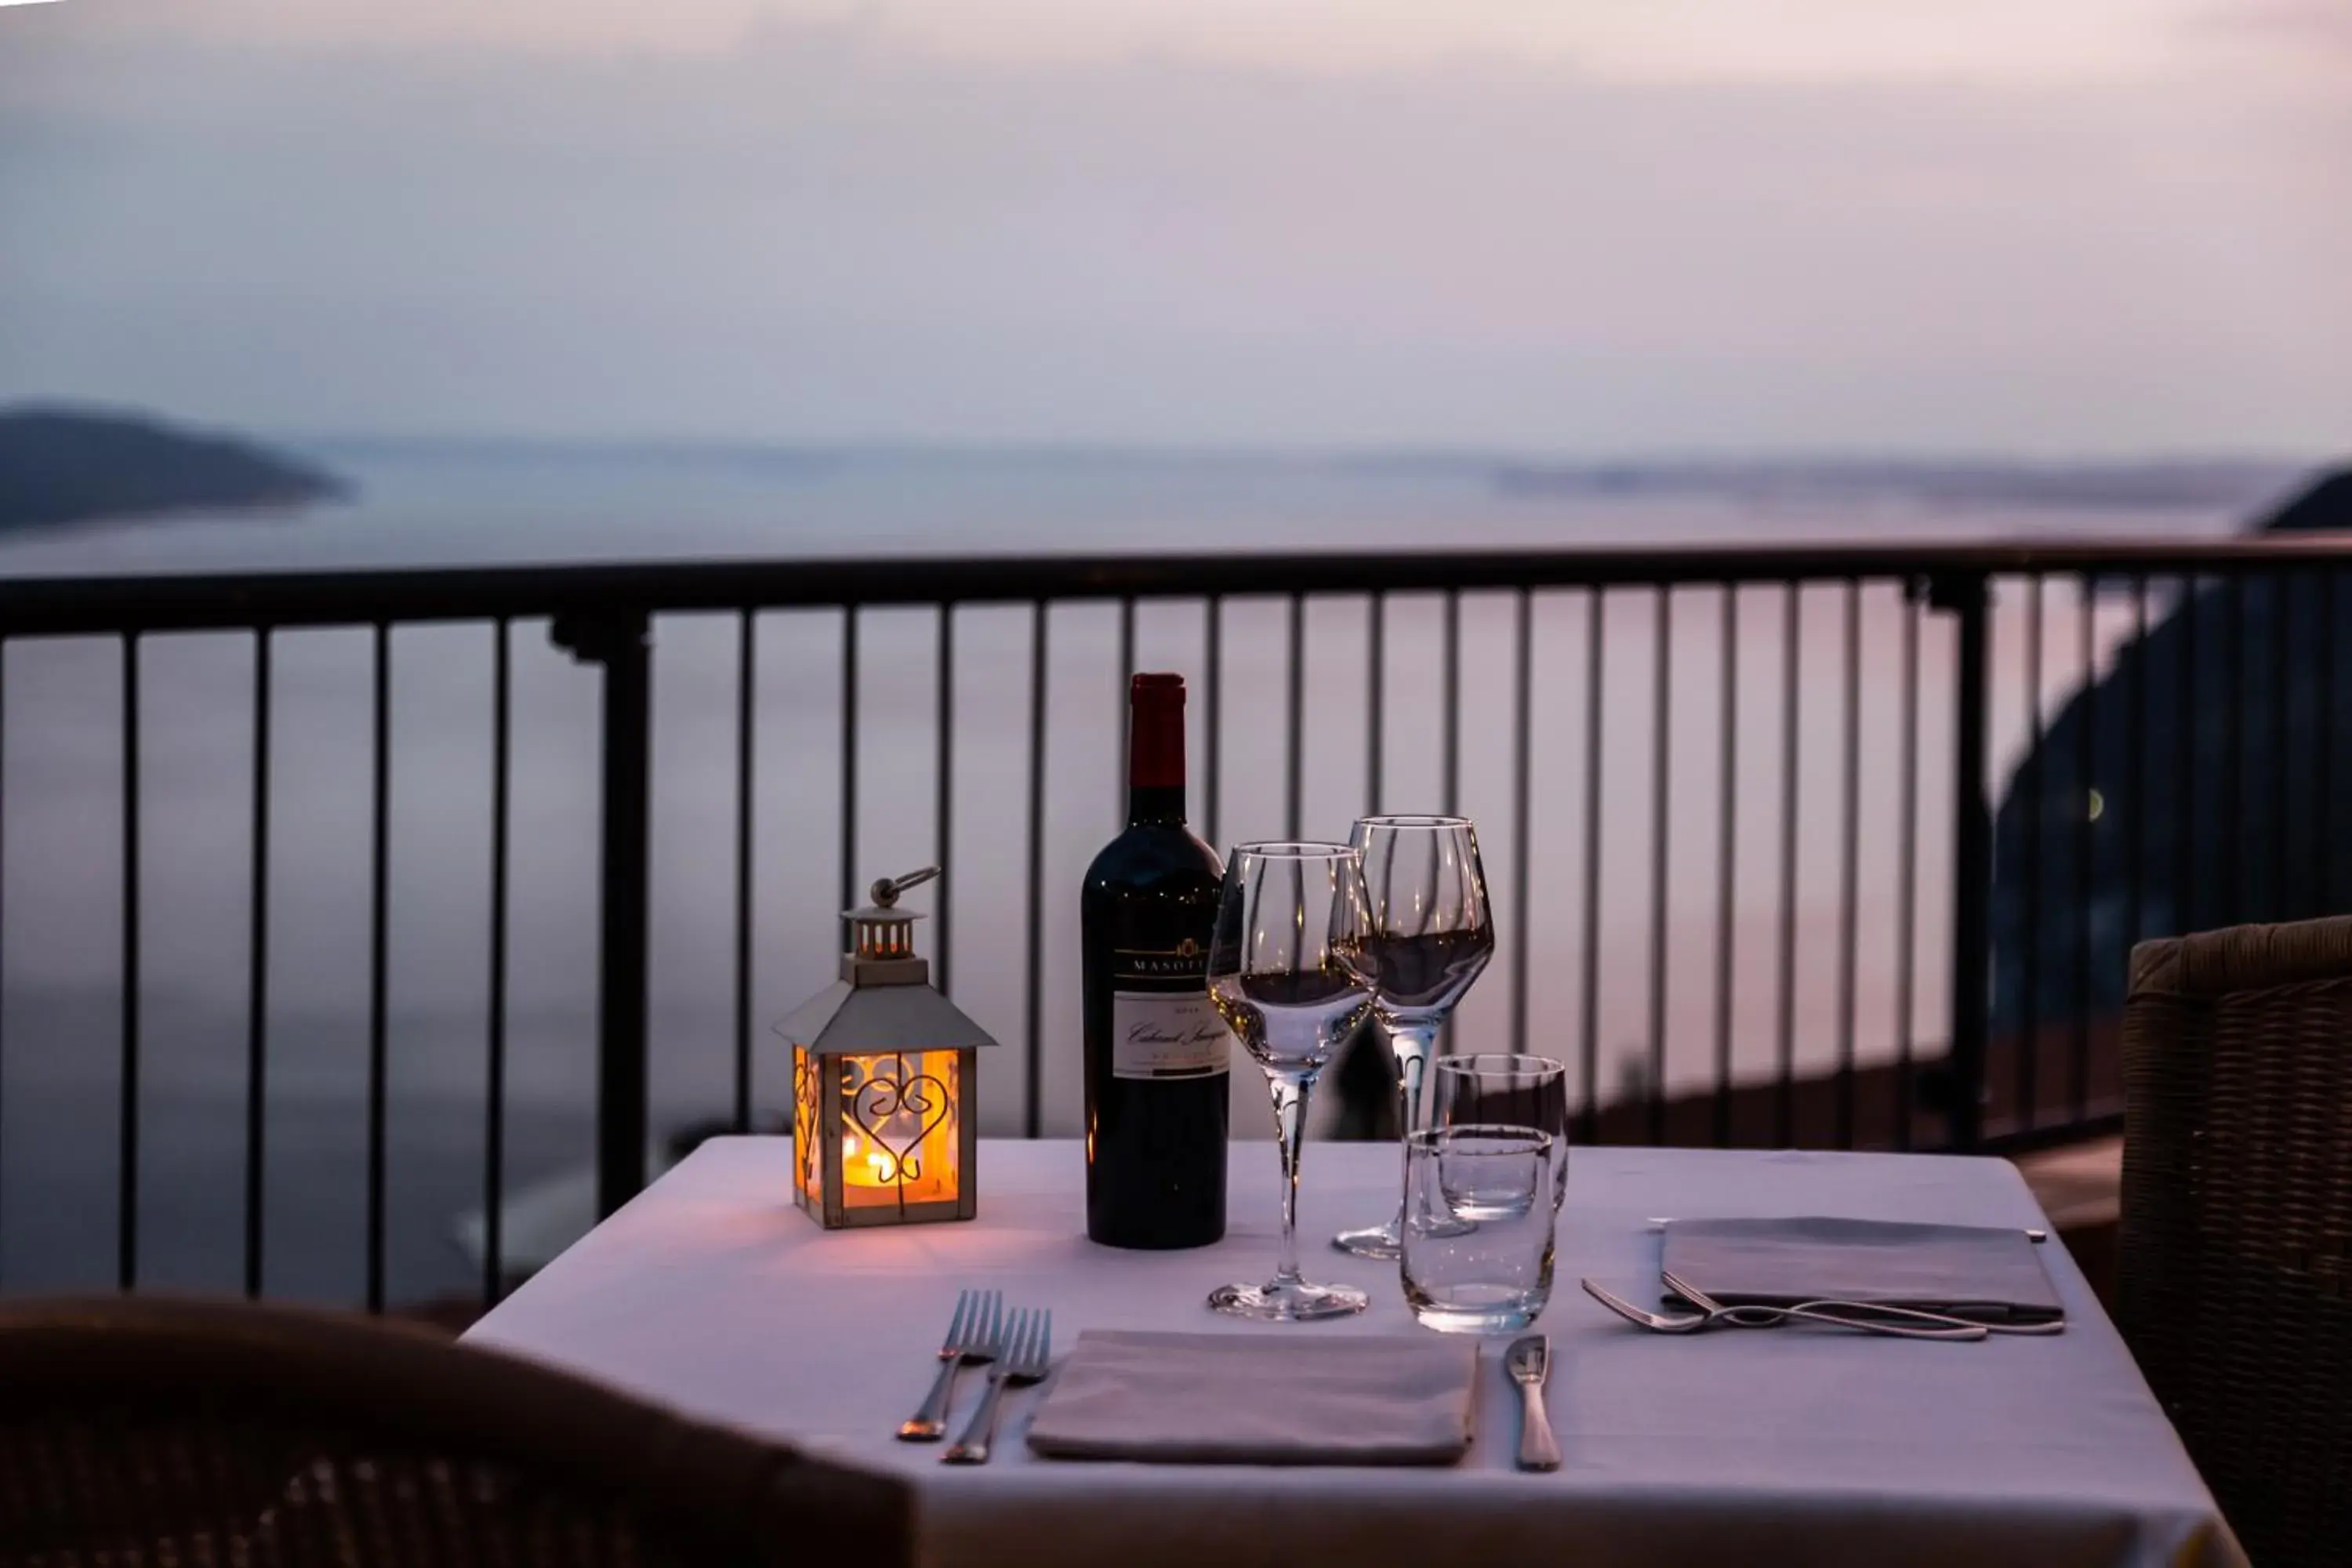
1995,1274
1260,1399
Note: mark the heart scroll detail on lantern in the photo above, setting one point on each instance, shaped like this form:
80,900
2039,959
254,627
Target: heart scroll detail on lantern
896,1111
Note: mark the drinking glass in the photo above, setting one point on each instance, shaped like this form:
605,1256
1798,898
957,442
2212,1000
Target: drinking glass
1476,1254
1285,973
1431,934
1509,1092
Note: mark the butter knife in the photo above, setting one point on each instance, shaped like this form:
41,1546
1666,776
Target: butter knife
1529,1360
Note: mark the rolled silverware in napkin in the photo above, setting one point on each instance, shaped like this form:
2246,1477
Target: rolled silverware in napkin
1260,1399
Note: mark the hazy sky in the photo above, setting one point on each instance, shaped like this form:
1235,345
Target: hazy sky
1615,226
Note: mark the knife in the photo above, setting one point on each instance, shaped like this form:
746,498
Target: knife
1529,1360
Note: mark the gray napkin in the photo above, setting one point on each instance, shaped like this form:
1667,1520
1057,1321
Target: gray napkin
1260,1399
1966,1269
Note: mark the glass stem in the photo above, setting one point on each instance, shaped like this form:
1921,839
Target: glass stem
1289,1092
1414,1044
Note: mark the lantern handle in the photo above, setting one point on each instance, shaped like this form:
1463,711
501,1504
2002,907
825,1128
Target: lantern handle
886,891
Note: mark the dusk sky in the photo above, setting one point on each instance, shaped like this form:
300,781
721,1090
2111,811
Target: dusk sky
2087,227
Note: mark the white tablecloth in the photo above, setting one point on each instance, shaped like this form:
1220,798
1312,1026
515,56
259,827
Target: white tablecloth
711,1292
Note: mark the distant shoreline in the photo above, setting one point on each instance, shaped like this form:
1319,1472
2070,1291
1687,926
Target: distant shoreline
2167,484
2155,486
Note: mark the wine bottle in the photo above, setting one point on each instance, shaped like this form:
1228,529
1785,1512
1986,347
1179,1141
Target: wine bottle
1158,1056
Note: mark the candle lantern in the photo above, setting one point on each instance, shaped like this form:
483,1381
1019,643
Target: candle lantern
883,1078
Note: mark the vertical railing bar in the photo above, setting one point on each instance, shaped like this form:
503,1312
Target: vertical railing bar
494,1090
2280,907
1906,875
1784,1096
1126,677
1033,1079
1969,596
746,642
1522,762
2187,908
256,1003
2234,847
1727,858
1294,781
2032,781
1661,761
379,860
1450,694
620,640
849,899
1588,1000
2133,832
1849,866
1213,639
943,800
2323,754
2086,714
4,923
1376,671
126,1262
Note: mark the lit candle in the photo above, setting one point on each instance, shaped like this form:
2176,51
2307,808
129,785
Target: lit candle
866,1167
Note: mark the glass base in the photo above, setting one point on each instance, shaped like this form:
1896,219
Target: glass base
1288,1300
1451,1321
1384,1241
1477,1308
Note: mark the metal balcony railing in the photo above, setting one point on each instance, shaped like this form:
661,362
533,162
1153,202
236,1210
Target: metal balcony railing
1824,840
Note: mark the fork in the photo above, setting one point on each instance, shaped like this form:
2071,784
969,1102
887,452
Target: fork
1023,1356
1809,1312
1706,1304
970,1336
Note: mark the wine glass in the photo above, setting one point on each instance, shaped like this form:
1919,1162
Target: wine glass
1431,934
1285,973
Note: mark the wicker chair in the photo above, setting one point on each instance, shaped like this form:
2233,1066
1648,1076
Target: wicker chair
143,1432
2235,1288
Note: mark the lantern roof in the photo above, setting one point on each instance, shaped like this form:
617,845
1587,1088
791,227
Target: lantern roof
883,1001
847,1018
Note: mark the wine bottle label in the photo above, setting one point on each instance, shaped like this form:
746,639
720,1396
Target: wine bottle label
1167,1034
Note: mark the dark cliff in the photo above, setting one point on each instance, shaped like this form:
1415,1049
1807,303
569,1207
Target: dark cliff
2193,786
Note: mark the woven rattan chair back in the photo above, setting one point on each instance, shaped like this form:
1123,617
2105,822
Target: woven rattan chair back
140,1431
2235,1280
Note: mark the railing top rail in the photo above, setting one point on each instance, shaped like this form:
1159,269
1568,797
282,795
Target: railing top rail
42,606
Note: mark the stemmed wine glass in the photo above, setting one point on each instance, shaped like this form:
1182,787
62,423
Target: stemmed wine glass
1285,972
1431,934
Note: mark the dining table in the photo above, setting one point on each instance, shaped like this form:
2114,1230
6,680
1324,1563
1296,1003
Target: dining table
712,1293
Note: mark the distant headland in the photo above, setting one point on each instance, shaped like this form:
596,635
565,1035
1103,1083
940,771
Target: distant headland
60,466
